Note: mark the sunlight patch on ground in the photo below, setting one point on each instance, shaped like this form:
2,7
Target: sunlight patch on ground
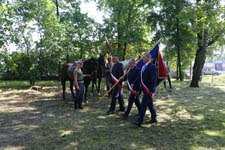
18,109
100,126
65,132
149,148
14,148
102,117
213,133
183,114
123,124
72,145
199,97
50,115
85,109
163,117
198,117
133,145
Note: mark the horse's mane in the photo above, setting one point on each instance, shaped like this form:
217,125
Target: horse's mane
90,65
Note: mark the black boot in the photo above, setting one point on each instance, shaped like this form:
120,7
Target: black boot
80,104
75,104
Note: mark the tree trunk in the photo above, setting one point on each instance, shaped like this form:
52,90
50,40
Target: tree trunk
177,73
200,58
179,70
57,8
124,50
179,64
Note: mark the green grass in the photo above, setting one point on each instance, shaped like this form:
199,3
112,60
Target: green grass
22,85
218,80
188,119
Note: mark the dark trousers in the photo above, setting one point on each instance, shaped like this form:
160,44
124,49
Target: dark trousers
79,95
133,99
147,102
117,92
168,81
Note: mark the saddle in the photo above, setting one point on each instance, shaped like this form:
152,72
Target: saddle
71,67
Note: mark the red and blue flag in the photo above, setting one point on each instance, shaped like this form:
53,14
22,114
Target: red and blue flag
158,61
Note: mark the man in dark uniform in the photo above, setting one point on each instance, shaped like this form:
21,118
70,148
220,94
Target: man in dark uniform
116,73
134,97
148,80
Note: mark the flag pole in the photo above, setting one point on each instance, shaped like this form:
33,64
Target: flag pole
126,73
115,84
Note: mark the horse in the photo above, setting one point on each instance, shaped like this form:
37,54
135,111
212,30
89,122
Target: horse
89,68
100,74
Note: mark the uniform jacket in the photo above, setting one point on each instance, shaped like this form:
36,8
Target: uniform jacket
149,78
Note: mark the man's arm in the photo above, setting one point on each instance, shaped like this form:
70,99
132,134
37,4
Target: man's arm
136,83
153,79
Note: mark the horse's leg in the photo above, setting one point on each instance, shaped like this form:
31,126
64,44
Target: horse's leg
108,84
71,88
93,84
85,95
99,85
63,88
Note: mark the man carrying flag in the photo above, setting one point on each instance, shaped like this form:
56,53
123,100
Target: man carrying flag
148,80
134,97
116,73
152,73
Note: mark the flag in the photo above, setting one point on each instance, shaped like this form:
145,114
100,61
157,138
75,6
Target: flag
140,63
158,61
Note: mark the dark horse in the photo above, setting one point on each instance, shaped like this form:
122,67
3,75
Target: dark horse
90,67
100,74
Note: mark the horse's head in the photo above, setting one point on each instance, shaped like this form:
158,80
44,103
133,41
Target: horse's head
101,62
90,67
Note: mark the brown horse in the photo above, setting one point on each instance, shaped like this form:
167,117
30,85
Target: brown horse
90,68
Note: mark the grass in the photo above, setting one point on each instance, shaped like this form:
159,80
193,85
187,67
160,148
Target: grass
6,85
188,119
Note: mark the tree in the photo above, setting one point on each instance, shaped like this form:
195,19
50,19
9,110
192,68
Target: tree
126,26
210,26
171,21
36,17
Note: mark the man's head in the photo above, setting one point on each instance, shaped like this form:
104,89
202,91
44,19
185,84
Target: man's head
115,58
131,62
147,57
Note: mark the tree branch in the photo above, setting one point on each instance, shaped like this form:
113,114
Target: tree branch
213,40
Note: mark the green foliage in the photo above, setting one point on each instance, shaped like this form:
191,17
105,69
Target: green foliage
126,28
45,39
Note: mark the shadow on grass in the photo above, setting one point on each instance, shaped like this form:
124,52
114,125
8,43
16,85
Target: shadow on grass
188,119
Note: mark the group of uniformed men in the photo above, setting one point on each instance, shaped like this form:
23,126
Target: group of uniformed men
138,80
